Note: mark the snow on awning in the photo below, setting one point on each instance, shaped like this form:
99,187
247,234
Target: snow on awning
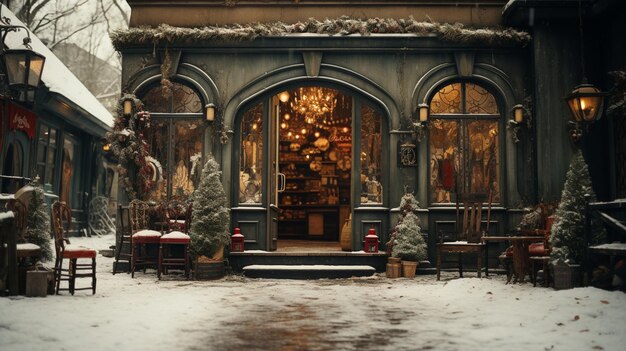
56,76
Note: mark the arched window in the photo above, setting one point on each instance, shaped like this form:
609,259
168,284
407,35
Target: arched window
464,143
175,139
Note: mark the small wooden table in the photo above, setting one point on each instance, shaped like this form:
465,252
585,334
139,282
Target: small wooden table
521,259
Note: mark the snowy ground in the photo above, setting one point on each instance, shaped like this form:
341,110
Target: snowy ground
375,313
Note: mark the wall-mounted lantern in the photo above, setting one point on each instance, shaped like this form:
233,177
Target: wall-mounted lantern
127,107
23,67
210,112
423,113
515,123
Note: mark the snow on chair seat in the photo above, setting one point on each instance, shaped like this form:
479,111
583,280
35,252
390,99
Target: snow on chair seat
146,236
74,251
175,237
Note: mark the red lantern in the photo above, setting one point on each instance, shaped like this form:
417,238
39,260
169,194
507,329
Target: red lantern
371,241
237,241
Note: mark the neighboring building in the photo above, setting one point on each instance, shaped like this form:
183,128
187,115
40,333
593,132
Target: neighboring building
313,116
99,76
59,137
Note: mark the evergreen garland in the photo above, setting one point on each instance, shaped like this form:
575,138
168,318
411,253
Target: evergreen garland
38,221
568,237
130,148
210,223
342,26
406,241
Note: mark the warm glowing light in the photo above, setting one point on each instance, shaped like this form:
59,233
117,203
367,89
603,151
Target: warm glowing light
317,134
254,126
286,116
289,134
303,131
307,157
284,125
297,136
284,96
345,129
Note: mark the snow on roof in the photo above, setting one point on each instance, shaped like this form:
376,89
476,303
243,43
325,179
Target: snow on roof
56,76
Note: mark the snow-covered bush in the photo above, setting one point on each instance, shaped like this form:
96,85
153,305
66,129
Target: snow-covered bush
38,221
568,238
406,241
210,221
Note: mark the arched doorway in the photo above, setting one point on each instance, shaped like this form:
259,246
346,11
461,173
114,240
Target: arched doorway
15,163
305,157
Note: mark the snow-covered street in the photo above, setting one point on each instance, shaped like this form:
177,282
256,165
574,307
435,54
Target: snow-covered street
375,313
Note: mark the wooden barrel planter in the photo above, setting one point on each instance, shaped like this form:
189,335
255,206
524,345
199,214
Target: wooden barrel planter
409,268
394,267
208,270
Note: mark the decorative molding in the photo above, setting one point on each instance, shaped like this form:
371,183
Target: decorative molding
312,62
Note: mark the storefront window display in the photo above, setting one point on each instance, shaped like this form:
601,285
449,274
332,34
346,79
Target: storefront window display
371,156
251,161
464,144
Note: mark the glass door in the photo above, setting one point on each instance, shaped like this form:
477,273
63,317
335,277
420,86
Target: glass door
276,179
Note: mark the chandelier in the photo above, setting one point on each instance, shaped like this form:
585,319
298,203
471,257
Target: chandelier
314,104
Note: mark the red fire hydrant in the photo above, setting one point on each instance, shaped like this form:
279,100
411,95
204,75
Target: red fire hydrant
371,241
237,241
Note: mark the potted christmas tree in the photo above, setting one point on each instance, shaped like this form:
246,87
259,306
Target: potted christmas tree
568,239
210,223
406,241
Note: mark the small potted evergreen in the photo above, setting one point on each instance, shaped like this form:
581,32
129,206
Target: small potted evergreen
568,238
406,241
209,224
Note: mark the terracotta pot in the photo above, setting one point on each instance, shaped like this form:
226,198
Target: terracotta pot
393,270
409,268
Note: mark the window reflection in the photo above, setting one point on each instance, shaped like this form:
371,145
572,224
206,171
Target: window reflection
187,157
464,153
67,172
251,162
371,153
157,137
181,99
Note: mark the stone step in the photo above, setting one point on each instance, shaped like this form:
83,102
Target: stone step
307,271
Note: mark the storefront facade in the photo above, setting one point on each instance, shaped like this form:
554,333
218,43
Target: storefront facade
316,119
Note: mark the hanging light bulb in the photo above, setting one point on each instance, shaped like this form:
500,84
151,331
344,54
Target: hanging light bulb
284,96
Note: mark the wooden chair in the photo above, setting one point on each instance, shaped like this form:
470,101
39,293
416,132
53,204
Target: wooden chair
27,253
142,237
61,221
123,250
176,218
468,232
540,252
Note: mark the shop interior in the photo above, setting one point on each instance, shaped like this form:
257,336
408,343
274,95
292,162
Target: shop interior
315,156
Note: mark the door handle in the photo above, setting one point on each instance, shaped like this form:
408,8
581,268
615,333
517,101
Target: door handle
282,182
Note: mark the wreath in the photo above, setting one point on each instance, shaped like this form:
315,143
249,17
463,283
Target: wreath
131,149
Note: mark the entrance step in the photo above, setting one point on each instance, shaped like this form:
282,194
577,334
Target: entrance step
239,260
307,271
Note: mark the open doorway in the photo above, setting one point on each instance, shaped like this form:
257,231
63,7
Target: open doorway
314,159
